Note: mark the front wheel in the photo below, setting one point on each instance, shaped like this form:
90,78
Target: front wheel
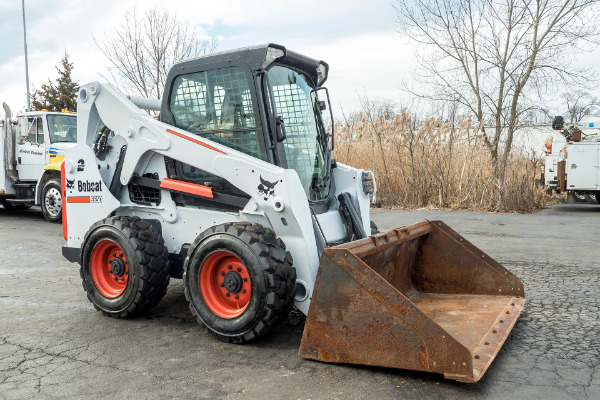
52,201
239,280
124,266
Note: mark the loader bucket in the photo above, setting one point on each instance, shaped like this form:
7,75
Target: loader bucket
419,297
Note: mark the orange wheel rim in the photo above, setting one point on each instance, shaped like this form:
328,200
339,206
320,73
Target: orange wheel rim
225,284
109,268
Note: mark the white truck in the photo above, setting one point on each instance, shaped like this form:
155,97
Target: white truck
32,149
573,165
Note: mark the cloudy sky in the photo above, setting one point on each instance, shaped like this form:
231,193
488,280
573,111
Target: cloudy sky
357,39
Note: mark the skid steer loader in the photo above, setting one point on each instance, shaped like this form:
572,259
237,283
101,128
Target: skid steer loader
234,190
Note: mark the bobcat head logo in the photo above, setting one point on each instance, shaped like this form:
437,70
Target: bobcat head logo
70,184
266,188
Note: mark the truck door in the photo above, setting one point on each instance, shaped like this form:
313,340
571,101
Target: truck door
30,150
582,164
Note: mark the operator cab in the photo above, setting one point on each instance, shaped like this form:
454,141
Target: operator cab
263,101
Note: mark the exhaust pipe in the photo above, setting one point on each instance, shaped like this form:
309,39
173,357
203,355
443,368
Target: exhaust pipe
10,164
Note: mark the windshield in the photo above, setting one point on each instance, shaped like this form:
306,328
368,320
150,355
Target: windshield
305,147
62,128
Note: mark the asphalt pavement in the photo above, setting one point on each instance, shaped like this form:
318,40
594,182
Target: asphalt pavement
53,344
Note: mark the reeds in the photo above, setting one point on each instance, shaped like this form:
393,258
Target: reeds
436,164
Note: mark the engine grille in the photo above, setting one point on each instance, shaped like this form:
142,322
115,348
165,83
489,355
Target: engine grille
144,194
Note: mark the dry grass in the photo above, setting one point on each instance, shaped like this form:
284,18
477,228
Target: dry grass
437,165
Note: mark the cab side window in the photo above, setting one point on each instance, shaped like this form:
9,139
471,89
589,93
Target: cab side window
217,105
32,130
40,130
35,131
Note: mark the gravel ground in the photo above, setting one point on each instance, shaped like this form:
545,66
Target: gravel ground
54,345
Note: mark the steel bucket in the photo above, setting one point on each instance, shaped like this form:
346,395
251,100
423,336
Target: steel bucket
419,297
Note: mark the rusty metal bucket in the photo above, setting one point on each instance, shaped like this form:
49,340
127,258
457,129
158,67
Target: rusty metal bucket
419,297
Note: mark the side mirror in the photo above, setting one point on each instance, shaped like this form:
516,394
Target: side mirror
280,129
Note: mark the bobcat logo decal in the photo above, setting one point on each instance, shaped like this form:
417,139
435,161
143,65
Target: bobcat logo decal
266,188
70,184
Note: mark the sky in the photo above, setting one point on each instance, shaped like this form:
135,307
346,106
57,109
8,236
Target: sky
358,40
367,57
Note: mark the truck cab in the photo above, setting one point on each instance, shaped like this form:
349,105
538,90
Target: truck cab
33,145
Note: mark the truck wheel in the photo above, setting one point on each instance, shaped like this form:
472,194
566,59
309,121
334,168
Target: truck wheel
13,206
592,198
239,280
574,197
125,266
52,201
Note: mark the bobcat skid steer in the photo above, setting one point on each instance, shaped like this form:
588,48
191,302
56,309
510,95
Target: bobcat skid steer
234,190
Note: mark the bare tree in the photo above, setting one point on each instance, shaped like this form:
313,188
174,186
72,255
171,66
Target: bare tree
498,58
143,49
581,104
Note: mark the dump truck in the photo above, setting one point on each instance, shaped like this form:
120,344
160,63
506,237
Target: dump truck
235,191
32,149
572,166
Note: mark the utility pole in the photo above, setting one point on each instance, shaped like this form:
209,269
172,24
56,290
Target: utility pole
26,63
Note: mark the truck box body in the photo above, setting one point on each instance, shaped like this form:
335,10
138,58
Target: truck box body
583,161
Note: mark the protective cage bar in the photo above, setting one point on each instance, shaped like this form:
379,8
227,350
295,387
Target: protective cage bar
419,297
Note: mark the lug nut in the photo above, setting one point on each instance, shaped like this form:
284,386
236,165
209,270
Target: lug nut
227,294
114,254
223,273
245,279
122,279
237,297
239,269
116,279
229,267
222,284
243,290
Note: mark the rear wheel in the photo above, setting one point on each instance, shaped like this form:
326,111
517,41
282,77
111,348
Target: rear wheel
239,280
13,206
592,198
125,267
52,201
575,197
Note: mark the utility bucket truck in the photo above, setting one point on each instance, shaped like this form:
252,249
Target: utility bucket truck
31,152
572,165
234,190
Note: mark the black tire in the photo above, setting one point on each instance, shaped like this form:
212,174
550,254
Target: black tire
51,201
374,228
13,206
145,257
592,198
271,277
573,198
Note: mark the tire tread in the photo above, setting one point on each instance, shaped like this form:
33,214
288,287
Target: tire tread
280,275
154,261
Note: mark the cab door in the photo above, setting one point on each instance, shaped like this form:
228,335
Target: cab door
30,149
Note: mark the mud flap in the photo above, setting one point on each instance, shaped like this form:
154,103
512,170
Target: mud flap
419,297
